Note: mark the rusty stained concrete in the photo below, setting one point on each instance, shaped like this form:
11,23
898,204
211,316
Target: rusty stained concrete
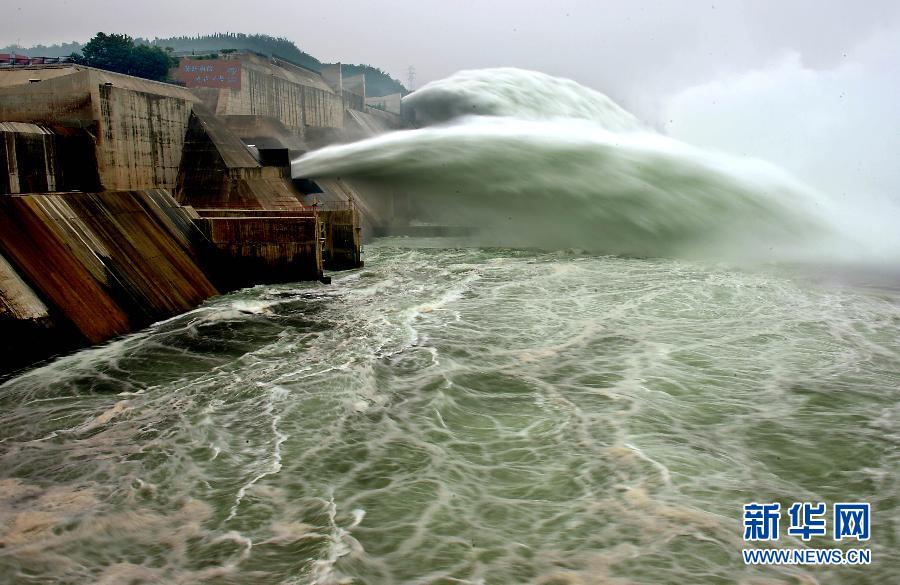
107,263
253,246
17,300
342,248
28,331
110,262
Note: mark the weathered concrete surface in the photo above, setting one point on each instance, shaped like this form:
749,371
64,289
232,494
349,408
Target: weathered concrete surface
27,158
355,84
353,101
333,76
24,75
264,132
17,300
217,170
28,330
111,262
256,213
139,125
273,88
141,137
254,246
83,267
37,158
63,97
64,92
342,246
339,230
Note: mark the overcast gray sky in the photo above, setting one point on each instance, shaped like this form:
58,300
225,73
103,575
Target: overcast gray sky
633,50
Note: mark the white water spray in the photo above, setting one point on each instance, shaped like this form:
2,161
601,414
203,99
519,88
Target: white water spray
535,160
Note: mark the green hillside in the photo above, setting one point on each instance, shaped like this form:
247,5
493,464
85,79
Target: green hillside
258,43
378,83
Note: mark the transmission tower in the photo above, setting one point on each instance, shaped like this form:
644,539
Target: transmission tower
410,77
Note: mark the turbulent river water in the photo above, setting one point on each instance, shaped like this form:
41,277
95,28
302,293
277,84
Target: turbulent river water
460,416
480,414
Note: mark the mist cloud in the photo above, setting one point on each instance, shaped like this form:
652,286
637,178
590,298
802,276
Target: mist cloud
836,128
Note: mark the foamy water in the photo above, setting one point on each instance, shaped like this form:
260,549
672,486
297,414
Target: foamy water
459,415
485,415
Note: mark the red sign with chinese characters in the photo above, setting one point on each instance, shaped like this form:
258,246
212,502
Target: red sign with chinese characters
212,73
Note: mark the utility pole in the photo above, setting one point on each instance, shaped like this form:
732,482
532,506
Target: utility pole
410,77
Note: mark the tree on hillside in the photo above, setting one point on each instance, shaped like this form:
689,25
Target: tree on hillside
378,83
119,53
114,52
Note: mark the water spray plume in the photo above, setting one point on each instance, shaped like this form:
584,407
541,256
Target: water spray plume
534,160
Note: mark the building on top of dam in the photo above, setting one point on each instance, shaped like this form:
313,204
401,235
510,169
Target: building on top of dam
124,201
271,101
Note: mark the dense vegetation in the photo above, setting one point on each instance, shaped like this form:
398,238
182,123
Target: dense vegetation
258,43
119,53
378,83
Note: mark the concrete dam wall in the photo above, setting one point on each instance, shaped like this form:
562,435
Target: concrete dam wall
125,201
101,264
138,126
277,90
141,137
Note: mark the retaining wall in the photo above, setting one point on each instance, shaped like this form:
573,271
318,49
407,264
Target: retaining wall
104,263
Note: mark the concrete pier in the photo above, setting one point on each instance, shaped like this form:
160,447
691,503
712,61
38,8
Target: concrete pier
254,246
341,237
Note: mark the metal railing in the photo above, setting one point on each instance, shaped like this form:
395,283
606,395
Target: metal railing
14,60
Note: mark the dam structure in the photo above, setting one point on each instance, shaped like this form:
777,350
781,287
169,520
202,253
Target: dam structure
125,201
